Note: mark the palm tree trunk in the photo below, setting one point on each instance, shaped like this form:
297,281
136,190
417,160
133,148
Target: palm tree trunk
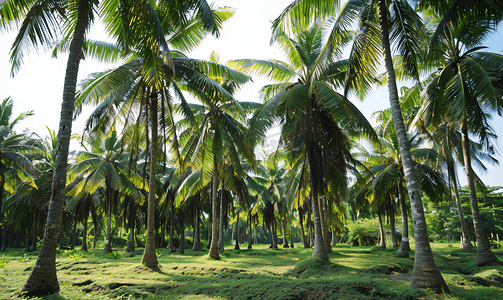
484,254
130,244
250,233
319,242
304,240
74,232
181,249
285,241
33,245
149,256
196,234
221,246
43,278
391,215
382,243
465,241
108,240
324,224
291,237
83,247
171,246
425,273
214,229
403,250
236,235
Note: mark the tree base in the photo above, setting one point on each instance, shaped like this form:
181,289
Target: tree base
214,253
403,250
486,258
40,283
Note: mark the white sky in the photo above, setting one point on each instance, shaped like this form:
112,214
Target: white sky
39,84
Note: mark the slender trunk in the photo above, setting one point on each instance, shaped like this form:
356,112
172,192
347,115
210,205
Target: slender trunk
291,237
274,240
319,242
149,256
391,215
196,234
214,229
181,249
221,223
108,240
425,273
74,232
4,238
382,242
283,231
465,241
83,247
171,246
43,278
324,224
209,226
33,245
403,250
132,213
304,240
237,234
484,254
250,236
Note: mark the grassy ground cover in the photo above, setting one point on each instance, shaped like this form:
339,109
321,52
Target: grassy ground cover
352,273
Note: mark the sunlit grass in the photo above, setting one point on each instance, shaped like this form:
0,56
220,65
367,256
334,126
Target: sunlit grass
259,273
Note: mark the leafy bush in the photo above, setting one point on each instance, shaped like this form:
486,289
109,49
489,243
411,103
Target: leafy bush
2,263
113,255
363,232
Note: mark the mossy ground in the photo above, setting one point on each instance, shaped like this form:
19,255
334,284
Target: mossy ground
351,273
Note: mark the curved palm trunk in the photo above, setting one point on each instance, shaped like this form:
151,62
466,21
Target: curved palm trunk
484,254
149,256
214,229
304,239
465,241
43,278
291,237
425,273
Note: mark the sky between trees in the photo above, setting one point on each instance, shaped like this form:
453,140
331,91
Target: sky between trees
39,84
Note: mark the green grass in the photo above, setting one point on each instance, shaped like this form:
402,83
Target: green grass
351,273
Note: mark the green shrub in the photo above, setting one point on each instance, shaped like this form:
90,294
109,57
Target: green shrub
363,232
113,255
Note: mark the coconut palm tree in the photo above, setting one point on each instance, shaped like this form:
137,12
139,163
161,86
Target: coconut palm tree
41,22
315,120
217,144
461,93
381,24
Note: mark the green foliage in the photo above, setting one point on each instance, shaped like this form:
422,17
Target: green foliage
3,262
74,254
113,255
363,232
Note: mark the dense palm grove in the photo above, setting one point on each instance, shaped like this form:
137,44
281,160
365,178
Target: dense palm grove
169,152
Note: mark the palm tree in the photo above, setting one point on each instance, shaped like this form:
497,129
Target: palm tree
381,24
315,120
41,22
461,93
217,144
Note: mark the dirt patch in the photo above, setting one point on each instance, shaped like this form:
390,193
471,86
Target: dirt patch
397,277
